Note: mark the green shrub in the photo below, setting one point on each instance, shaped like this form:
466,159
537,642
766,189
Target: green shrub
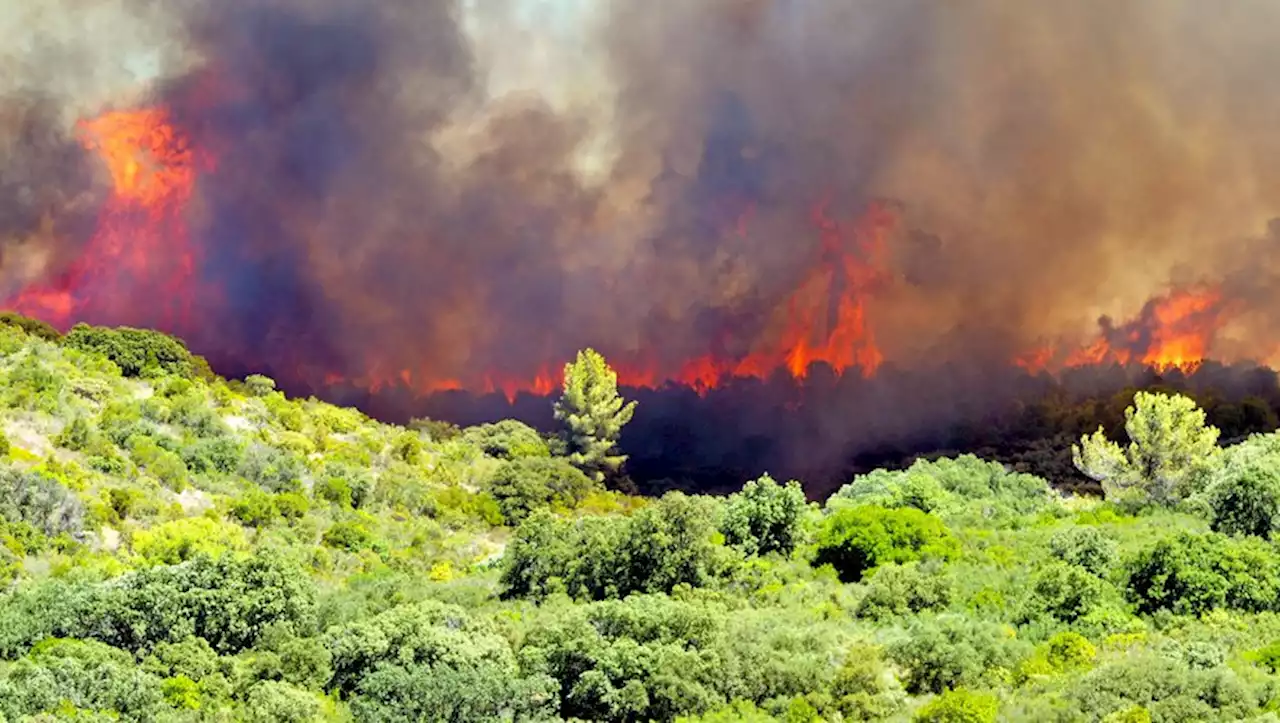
135,351
904,589
77,435
528,483
965,486
292,505
348,535
1088,547
255,508
959,706
1244,498
664,545
951,651
508,439
258,385
41,501
765,517
29,326
272,469
854,540
1065,592
1195,573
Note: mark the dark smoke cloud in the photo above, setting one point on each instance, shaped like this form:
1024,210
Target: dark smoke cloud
414,185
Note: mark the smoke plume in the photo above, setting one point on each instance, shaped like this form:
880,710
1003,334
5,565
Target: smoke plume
437,194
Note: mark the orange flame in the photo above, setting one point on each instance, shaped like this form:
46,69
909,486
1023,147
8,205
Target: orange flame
1175,330
139,267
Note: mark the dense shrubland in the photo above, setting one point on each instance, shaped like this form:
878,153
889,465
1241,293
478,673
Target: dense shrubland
177,547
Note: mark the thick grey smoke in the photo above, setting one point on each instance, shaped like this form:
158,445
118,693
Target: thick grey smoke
456,191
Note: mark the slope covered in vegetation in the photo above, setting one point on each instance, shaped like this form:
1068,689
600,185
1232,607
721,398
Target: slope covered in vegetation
178,547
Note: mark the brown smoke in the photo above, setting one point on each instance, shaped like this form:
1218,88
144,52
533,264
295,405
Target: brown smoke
403,187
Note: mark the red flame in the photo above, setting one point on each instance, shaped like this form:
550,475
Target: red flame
139,267
1175,330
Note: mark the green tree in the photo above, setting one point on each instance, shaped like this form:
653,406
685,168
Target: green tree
765,517
856,539
1169,446
1244,498
593,415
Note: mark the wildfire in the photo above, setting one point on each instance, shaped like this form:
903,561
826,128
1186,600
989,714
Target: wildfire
1173,330
139,266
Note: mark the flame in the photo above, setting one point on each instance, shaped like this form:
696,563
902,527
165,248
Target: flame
1175,330
825,320
139,266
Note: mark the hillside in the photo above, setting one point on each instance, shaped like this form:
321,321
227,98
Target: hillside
179,547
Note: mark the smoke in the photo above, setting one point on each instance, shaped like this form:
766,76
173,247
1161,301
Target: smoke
442,192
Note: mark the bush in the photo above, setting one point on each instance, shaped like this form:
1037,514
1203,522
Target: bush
905,589
180,540
29,326
274,470
133,350
1244,498
348,535
255,508
1163,686
959,706
41,501
528,483
507,439
1195,573
229,601
1088,547
952,651
1065,592
965,486
854,540
664,545
765,517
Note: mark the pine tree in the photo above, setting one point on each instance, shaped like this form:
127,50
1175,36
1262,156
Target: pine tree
593,415
1170,446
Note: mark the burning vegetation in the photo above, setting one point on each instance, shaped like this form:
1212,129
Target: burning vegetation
851,206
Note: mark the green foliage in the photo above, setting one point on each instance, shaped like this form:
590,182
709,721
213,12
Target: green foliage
1196,573
593,415
528,483
1244,497
273,469
1170,447
951,651
259,385
856,539
29,326
1087,547
39,500
664,545
135,351
248,556
963,488
508,439
180,540
959,706
1065,592
348,535
895,590
765,517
